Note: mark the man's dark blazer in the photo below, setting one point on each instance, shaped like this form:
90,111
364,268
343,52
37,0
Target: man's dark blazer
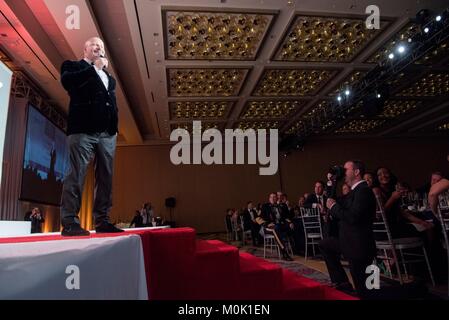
269,215
247,221
355,221
312,198
93,108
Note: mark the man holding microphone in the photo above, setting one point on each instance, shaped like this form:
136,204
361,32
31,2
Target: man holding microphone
92,131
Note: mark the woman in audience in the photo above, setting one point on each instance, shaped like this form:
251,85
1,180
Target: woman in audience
413,217
369,178
385,188
438,188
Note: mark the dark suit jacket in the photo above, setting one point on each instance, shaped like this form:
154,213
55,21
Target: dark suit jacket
247,221
355,217
269,215
93,108
311,199
137,221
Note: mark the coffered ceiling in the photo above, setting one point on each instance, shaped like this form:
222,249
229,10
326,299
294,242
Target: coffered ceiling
234,64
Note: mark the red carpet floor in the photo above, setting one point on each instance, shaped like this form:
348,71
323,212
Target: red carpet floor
179,267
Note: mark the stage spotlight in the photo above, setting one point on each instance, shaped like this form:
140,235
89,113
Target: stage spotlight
426,30
347,92
339,98
391,56
409,40
438,18
378,96
401,49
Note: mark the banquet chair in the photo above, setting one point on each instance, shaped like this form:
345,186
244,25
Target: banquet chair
443,206
245,234
313,232
392,245
269,243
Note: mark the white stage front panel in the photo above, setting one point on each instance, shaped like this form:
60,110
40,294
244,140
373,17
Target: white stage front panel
109,268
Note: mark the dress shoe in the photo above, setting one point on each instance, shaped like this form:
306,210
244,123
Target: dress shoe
107,227
286,256
345,287
74,230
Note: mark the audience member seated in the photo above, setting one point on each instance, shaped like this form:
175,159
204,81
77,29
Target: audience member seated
369,178
284,204
249,216
137,220
437,189
385,183
412,215
228,219
318,200
435,177
274,221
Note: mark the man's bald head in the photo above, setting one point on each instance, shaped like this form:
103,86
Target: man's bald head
93,48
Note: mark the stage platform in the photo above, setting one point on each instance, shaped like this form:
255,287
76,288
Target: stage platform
145,263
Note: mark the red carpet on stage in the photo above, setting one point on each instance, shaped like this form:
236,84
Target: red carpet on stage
180,267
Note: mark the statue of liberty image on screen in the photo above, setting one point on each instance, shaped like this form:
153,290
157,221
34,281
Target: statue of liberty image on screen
45,160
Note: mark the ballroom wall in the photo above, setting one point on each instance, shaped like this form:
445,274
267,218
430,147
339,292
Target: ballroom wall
204,192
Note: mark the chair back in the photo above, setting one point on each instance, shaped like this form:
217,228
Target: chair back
380,224
311,220
228,223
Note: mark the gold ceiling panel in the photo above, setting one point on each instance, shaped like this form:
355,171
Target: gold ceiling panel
291,82
431,85
213,82
258,125
395,108
360,126
214,35
330,39
200,109
297,127
316,112
401,37
204,126
270,109
320,108
435,56
352,79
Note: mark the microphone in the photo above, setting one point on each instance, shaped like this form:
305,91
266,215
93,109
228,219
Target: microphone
103,56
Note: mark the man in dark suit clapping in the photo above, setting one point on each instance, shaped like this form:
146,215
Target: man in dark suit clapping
356,238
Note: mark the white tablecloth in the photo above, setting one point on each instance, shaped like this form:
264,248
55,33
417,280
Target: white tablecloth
109,268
